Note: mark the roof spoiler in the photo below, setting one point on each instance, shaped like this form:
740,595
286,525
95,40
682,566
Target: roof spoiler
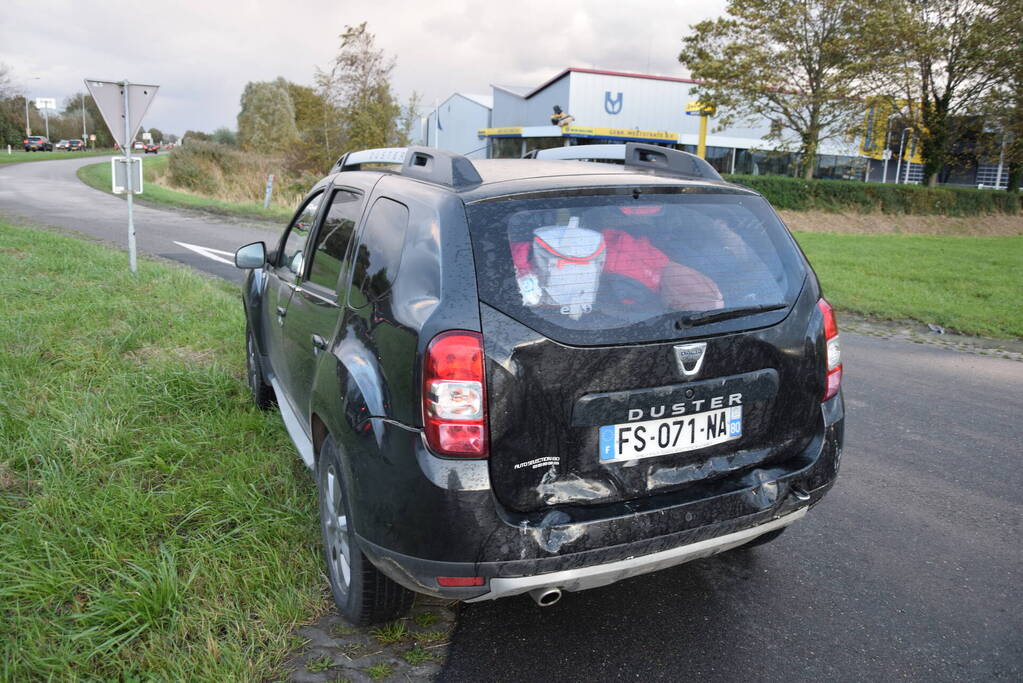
431,165
638,155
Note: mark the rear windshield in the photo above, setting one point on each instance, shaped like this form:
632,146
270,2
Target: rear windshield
613,268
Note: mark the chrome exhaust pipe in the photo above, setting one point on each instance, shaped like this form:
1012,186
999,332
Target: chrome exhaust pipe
545,597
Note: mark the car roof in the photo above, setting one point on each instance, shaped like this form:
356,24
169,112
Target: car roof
502,177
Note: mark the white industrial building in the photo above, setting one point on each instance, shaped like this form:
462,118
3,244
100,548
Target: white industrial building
609,106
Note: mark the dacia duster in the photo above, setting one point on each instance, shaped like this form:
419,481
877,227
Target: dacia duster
541,375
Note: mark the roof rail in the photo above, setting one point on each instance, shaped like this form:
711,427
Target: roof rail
660,160
437,166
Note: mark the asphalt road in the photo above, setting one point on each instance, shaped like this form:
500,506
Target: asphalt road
50,193
910,569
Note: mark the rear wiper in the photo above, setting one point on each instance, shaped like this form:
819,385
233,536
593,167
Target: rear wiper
705,317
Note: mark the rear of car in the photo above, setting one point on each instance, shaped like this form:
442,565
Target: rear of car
572,374
660,371
37,143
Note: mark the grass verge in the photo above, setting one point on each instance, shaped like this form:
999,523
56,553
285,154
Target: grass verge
19,155
153,524
98,176
972,285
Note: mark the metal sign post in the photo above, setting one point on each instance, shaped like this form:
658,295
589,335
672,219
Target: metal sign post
126,148
129,102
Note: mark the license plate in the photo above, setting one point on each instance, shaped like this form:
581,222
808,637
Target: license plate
670,435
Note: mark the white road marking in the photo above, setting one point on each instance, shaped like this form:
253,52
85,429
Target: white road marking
208,252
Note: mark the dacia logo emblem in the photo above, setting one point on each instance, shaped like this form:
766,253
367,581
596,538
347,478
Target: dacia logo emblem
612,105
690,358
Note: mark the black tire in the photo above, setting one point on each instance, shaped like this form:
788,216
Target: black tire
262,391
765,538
362,594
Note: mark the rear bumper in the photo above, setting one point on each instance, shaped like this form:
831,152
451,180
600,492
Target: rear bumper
585,578
576,549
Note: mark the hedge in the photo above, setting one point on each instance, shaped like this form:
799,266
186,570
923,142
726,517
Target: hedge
840,196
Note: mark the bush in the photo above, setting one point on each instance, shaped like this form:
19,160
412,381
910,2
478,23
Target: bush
228,173
839,196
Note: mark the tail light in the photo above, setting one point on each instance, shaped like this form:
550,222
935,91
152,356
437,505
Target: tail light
454,395
834,349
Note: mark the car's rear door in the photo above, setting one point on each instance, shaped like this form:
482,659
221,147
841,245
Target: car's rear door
640,343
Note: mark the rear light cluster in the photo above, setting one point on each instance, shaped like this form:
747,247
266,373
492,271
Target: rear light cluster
834,346
454,395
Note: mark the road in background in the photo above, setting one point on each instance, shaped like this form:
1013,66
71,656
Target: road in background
51,194
909,569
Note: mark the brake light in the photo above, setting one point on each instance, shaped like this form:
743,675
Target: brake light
454,395
833,377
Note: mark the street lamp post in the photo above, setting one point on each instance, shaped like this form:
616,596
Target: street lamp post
85,137
28,124
898,166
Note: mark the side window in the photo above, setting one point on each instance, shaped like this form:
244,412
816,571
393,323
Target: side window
334,235
379,252
291,255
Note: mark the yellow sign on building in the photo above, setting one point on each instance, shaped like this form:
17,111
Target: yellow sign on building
620,133
507,131
877,124
699,109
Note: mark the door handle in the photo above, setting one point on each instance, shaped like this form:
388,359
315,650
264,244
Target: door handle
319,343
281,311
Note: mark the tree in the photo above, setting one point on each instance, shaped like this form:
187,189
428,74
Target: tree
12,107
935,55
156,134
94,122
1003,105
793,62
319,127
410,116
225,136
358,85
196,136
266,122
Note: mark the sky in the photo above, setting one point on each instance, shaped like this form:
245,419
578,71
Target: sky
202,52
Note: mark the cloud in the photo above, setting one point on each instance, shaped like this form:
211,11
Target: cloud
202,53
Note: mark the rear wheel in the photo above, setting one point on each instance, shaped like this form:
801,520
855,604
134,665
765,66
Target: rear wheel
362,594
262,391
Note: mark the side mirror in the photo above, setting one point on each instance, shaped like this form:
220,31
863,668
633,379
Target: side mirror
251,256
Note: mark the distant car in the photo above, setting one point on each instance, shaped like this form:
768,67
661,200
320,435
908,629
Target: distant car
139,145
61,145
75,146
152,148
38,143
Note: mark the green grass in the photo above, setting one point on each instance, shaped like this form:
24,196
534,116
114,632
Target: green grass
417,655
973,285
379,672
153,524
98,176
388,634
19,155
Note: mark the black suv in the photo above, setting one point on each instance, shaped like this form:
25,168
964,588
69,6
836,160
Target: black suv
536,376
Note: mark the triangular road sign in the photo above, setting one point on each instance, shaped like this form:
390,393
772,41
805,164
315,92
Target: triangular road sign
109,97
